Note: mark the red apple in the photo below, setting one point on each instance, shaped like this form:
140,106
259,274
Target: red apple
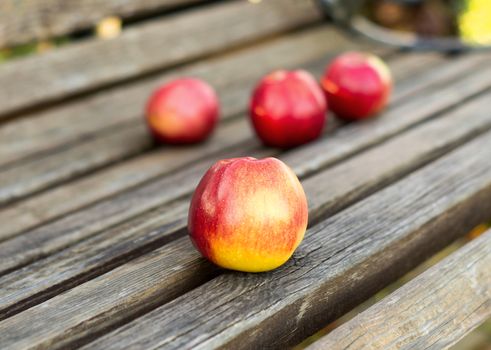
288,109
182,111
357,85
248,214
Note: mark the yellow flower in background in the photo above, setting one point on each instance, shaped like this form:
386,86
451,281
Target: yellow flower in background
109,28
475,22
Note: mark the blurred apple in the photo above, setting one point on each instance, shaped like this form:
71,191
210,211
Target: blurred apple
288,109
357,85
182,111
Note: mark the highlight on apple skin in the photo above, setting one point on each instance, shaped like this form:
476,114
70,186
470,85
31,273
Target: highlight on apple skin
357,85
247,214
183,111
288,109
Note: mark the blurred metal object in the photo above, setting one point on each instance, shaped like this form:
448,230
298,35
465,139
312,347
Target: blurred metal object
351,15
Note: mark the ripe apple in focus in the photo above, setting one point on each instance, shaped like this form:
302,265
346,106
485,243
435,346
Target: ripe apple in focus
182,111
288,109
248,214
357,85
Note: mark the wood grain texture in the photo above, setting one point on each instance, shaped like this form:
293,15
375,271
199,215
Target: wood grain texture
433,311
145,49
341,262
440,69
25,20
175,277
92,257
61,233
40,133
412,64
43,172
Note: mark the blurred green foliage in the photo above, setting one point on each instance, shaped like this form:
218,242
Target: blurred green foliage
32,48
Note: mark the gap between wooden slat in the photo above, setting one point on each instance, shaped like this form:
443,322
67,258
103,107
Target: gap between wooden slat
22,21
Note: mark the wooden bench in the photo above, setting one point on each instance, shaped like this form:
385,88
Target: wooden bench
93,245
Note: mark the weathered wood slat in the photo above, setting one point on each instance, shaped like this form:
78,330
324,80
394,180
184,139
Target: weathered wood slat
341,262
49,238
434,70
145,48
43,172
44,132
163,274
25,20
434,310
412,64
